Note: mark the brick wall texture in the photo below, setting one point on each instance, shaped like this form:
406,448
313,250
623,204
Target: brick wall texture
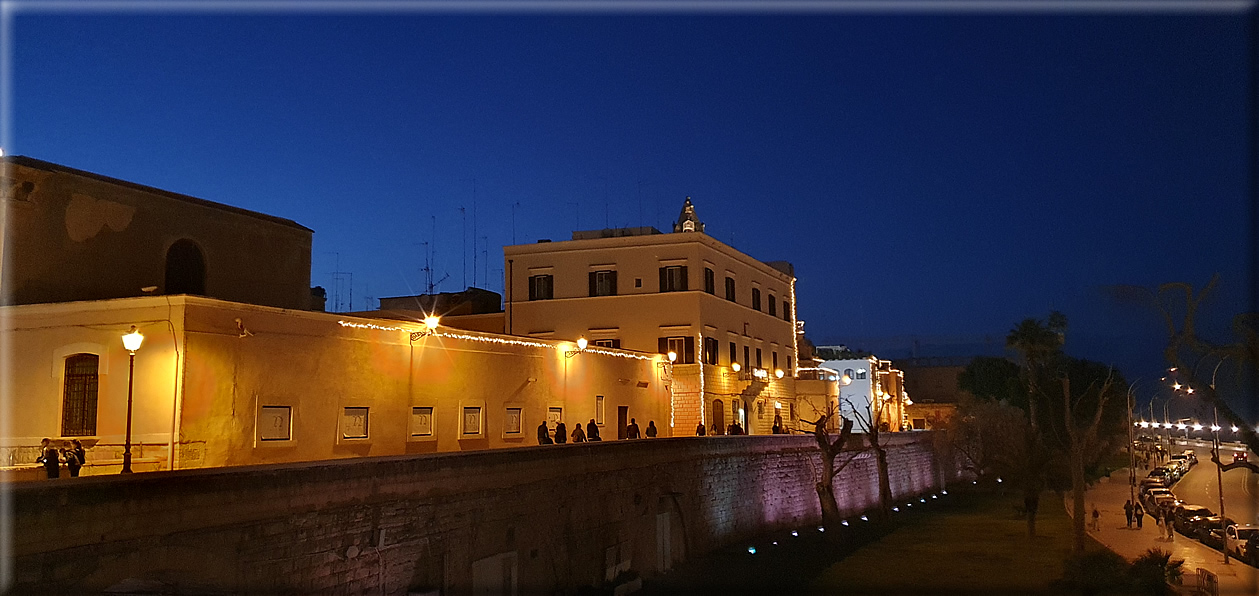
546,518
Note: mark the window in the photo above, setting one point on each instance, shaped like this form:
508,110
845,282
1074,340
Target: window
756,299
747,358
638,282
730,289
848,373
684,347
734,353
599,410
607,343
422,422
773,306
354,423
774,358
602,283
541,287
275,423
760,409
788,363
512,423
710,281
471,420
78,412
673,279
758,358
861,373
786,310
711,347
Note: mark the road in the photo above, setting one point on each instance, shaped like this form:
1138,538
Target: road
1241,486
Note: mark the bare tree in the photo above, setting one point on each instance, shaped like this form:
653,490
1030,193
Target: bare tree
1082,417
871,425
832,464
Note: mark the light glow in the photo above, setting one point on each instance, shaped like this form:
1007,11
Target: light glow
673,356
1180,426
431,322
1197,427
779,373
501,340
132,341
735,366
582,343
1235,429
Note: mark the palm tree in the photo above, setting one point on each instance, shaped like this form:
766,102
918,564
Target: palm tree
1038,343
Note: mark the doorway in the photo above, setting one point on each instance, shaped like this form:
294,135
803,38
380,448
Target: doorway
622,421
719,417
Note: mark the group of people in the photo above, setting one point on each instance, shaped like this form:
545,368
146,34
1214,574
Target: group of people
734,428
590,434
1134,512
71,453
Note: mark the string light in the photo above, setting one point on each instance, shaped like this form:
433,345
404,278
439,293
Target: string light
702,405
502,341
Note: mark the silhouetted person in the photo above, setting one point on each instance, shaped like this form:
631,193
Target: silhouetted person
651,429
1138,513
48,457
631,431
579,435
544,434
778,423
592,431
1127,512
73,463
717,430
561,433
778,429
78,451
699,430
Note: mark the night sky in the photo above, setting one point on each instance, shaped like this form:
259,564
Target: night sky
933,177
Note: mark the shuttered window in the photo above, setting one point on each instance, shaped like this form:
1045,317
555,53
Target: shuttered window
602,283
78,413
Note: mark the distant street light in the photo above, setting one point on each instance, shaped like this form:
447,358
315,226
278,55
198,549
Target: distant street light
131,342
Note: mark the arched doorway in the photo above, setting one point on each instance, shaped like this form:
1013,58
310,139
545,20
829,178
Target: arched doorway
185,269
719,418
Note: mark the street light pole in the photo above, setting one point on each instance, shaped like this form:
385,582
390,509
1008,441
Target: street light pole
1219,466
131,342
1132,455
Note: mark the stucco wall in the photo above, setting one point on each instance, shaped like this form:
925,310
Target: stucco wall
387,525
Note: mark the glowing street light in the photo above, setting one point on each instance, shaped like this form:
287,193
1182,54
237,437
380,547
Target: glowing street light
673,356
131,342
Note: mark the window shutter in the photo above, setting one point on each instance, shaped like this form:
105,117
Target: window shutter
686,278
664,279
690,350
593,287
663,345
613,284
533,288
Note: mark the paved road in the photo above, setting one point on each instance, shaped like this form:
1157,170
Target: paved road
1241,487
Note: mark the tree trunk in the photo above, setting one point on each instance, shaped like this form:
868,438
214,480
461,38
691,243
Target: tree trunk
1031,502
1077,499
885,484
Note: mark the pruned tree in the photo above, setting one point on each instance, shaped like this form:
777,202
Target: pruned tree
871,426
1083,414
832,464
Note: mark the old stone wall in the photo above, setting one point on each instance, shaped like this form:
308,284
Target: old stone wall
543,518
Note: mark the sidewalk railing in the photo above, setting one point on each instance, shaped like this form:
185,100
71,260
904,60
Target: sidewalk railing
1208,584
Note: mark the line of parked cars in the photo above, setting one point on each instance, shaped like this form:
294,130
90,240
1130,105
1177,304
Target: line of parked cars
1196,521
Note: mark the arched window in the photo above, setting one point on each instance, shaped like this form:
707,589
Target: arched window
185,269
78,412
848,373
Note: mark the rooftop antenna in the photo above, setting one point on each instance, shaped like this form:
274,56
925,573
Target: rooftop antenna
486,257
463,215
513,221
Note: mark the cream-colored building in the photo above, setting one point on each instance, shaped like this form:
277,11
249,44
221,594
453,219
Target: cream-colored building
222,383
870,387
728,318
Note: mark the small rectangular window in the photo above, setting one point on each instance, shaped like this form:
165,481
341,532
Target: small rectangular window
603,283
710,281
730,295
512,422
711,347
422,421
773,306
607,343
354,423
756,299
599,410
774,358
786,311
471,420
684,347
541,287
758,358
789,364
747,357
275,423
673,279
734,353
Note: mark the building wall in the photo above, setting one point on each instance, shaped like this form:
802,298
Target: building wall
558,518
72,235
208,367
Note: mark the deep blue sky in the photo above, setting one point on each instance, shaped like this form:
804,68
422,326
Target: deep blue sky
937,177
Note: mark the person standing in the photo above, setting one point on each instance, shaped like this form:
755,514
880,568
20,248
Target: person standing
1097,518
79,452
73,463
561,433
1138,513
48,456
592,431
544,434
579,436
700,430
1127,512
631,431
651,429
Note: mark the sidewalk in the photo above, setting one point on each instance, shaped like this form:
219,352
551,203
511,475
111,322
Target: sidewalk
1109,496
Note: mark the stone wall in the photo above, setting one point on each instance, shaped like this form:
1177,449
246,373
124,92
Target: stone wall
545,518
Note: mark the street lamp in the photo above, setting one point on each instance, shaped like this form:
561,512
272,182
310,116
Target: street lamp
131,342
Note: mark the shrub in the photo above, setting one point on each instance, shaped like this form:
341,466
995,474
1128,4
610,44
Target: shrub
1095,572
1154,572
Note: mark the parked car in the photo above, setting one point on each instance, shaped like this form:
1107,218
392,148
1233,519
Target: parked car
1166,502
1193,457
1179,458
1235,538
1183,513
1153,494
1210,530
1148,484
1239,456
1161,472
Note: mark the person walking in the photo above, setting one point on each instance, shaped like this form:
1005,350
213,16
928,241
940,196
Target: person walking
1168,525
579,435
544,434
592,431
700,430
1127,512
1097,519
48,457
631,431
1138,513
651,429
561,433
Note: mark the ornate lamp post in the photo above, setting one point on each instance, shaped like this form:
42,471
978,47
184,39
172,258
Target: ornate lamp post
131,342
